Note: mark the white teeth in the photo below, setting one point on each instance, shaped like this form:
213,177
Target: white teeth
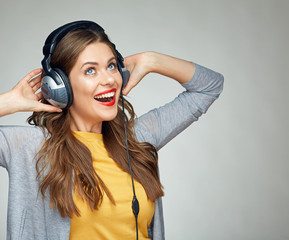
105,95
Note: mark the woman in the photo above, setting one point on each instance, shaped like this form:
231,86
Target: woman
70,174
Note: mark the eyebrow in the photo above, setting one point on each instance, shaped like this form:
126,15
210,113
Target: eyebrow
96,63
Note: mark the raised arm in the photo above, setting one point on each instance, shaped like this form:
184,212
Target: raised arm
23,96
203,86
143,63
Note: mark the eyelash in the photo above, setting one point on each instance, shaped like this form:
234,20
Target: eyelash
114,65
92,68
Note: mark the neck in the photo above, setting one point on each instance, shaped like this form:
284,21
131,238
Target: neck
85,126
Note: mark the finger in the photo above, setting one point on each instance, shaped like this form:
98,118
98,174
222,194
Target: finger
35,81
126,90
46,108
36,87
32,74
128,64
134,79
39,96
129,86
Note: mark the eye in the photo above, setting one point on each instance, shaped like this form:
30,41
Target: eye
90,71
111,66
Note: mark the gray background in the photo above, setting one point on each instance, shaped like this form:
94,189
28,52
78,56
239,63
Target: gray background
226,177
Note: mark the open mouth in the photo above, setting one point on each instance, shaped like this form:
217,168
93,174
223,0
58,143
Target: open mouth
106,97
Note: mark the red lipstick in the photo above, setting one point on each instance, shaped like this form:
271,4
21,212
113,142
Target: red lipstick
106,91
106,100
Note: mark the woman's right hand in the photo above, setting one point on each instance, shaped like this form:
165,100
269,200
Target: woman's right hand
23,96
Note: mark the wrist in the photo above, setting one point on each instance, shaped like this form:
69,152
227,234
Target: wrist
7,103
157,62
150,61
175,68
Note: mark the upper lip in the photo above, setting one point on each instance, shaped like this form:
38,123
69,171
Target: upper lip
106,91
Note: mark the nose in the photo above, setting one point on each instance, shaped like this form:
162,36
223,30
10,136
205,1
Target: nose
106,78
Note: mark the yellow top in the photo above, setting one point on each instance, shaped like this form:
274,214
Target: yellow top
110,221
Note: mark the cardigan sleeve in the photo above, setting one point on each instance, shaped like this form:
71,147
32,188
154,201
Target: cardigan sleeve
16,142
4,151
162,124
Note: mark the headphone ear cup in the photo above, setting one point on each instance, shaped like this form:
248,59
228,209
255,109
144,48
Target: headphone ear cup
65,80
56,89
125,77
124,74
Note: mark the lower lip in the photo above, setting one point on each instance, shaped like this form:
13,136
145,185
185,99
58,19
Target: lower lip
108,104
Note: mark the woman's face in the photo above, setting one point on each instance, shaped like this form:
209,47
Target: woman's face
96,84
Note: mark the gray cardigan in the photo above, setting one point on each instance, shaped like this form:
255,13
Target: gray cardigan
29,216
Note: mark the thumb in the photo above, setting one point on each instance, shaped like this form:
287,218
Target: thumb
46,108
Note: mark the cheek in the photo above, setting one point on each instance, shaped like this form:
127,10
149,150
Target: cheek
79,93
82,87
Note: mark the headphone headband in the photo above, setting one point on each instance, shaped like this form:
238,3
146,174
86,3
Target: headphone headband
54,38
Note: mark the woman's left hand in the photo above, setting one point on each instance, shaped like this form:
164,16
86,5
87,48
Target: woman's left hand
141,64
138,65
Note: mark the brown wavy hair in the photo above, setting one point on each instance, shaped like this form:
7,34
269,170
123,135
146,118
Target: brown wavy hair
64,164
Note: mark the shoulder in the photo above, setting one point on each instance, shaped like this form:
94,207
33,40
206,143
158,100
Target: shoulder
24,130
18,143
17,134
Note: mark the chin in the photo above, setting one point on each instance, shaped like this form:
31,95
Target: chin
109,116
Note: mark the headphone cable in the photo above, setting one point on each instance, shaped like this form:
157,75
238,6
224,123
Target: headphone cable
135,203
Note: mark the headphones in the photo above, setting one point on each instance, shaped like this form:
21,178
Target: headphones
55,85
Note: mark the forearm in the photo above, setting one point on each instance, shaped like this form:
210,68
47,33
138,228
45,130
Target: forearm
178,69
